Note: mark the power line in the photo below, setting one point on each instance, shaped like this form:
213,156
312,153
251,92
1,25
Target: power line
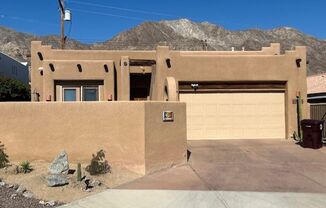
111,15
123,9
23,19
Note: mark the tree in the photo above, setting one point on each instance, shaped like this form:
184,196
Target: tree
13,90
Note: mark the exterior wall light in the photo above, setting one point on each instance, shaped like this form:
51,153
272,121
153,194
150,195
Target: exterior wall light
52,67
106,68
168,62
194,86
80,69
298,62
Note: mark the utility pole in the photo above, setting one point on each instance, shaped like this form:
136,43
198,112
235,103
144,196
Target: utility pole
62,10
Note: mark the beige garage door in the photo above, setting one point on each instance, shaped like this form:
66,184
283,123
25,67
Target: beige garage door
235,115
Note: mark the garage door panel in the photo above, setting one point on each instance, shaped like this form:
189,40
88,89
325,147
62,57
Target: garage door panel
235,115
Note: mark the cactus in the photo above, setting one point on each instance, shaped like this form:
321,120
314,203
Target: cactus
300,132
79,172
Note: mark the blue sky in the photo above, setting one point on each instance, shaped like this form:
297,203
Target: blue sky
99,20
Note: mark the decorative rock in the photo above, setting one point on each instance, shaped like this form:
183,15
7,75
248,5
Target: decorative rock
2,183
12,169
20,190
95,183
28,194
50,203
10,186
19,169
16,186
42,202
60,164
13,196
57,180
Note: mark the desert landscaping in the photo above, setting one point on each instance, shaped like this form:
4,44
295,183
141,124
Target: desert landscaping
52,184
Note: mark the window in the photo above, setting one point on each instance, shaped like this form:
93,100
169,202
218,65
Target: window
70,94
80,93
78,90
90,94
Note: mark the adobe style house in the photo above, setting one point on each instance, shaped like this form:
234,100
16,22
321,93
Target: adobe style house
229,94
14,69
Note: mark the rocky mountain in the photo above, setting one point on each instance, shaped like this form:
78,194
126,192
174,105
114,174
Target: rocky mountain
186,35
183,34
17,44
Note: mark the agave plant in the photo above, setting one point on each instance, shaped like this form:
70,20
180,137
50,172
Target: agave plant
26,167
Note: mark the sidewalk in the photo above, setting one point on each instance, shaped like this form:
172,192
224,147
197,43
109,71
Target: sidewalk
187,199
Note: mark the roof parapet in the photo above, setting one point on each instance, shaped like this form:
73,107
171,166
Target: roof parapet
273,49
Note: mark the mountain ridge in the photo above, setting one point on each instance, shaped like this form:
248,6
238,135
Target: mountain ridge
181,34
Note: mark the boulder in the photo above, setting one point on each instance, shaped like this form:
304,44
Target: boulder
60,164
57,180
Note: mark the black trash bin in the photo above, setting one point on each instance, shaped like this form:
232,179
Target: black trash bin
312,133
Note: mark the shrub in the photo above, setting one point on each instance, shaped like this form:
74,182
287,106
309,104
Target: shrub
13,90
3,156
25,167
98,164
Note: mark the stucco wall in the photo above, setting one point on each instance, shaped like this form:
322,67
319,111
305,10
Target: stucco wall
38,131
160,135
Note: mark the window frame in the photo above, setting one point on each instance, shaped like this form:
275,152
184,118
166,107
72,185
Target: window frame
96,87
80,92
77,88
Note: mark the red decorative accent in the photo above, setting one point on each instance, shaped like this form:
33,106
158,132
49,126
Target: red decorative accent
48,98
110,98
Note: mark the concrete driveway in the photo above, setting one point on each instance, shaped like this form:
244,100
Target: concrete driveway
198,199
244,165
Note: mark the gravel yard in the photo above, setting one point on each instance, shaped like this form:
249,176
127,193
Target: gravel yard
35,183
8,201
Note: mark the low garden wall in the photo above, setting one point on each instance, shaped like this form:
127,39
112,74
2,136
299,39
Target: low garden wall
133,134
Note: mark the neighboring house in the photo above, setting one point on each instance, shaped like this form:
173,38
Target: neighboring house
14,69
229,94
317,97
317,88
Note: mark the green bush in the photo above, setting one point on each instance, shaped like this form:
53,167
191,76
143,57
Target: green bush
98,164
13,90
3,156
26,167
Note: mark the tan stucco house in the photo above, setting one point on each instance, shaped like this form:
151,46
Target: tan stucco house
228,94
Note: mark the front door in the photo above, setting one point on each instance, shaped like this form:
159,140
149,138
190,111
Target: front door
140,84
